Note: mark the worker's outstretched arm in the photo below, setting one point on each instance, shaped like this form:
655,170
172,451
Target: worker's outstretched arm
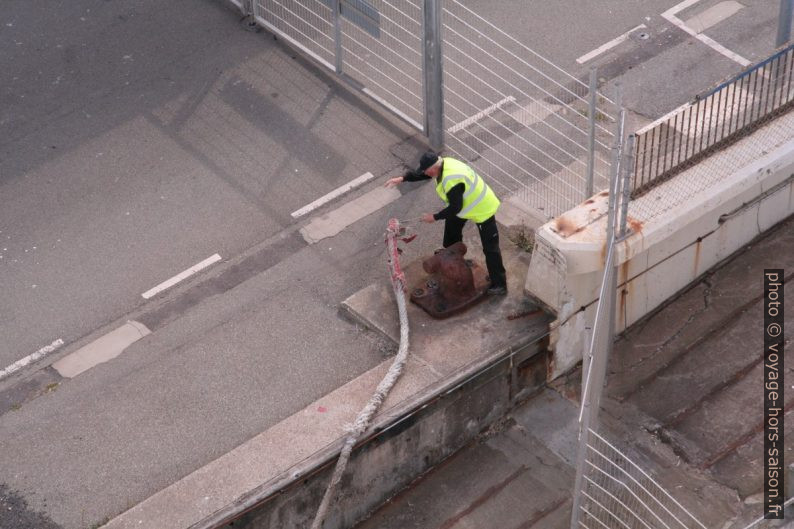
409,176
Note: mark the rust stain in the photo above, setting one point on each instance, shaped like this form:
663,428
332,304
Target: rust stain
550,365
635,225
565,227
490,492
624,292
743,440
676,419
539,515
522,314
604,254
697,255
623,276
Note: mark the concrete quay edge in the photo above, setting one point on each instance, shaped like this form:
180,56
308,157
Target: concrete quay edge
306,443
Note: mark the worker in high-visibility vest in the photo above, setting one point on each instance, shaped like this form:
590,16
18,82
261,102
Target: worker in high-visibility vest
468,197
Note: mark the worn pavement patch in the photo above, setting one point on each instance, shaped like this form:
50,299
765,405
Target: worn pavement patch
15,513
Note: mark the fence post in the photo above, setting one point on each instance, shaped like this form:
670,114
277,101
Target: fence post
594,367
784,22
336,6
628,170
594,371
432,73
588,192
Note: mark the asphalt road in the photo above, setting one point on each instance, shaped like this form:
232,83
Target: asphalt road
138,138
132,146
658,73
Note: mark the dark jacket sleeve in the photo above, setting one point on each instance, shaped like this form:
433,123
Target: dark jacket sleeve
413,176
455,197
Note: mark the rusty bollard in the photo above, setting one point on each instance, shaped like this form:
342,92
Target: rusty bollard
453,283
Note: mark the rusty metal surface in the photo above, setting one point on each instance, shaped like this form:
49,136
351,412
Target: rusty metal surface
452,285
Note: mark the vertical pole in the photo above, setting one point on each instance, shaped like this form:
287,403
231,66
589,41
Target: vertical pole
628,169
338,61
594,371
784,22
621,224
617,159
611,269
588,191
612,291
432,73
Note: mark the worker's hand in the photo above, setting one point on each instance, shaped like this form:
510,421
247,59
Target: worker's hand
394,182
429,218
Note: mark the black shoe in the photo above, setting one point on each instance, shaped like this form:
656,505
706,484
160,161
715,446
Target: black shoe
497,291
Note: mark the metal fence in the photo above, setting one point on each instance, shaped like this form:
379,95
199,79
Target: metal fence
715,119
611,491
519,118
533,129
376,45
617,493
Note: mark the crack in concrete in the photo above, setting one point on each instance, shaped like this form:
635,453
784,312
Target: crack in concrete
682,328
664,436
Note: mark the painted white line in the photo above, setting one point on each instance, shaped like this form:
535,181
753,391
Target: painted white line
708,41
179,277
662,119
481,114
38,355
679,7
714,15
104,348
363,179
534,112
335,221
609,45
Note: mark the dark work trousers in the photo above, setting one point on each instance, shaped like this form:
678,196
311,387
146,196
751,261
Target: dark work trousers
489,235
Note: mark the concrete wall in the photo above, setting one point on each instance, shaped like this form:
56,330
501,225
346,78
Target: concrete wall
667,251
397,452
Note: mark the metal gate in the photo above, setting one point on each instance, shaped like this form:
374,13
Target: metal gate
375,44
536,132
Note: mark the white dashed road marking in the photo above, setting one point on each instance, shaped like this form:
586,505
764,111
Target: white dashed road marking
481,114
609,45
179,277
716,46
38,355
713,15
366,177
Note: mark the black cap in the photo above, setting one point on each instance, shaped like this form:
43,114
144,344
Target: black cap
427,159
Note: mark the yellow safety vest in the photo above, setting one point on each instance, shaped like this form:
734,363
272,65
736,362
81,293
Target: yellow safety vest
479,202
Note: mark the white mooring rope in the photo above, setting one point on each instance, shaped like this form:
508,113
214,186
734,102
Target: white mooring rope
366,414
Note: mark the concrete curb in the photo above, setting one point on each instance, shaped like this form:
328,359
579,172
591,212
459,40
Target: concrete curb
441,402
